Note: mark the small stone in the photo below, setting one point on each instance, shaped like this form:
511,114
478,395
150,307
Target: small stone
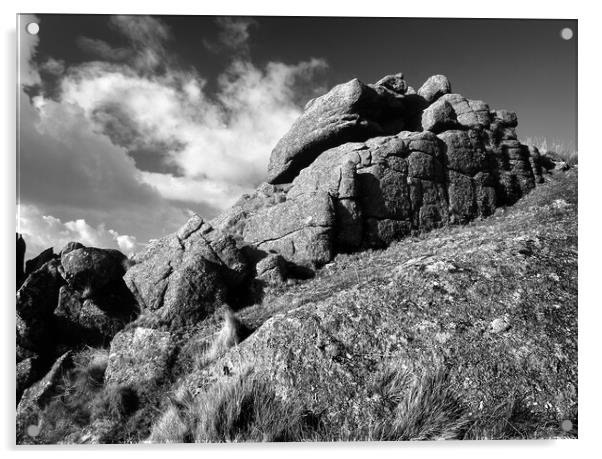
441,266
499,325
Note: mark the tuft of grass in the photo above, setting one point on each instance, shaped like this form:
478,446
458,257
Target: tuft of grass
115,402
246,409
232,333
171,427
429,409
91,364
70,410
178,423
84,399
412,407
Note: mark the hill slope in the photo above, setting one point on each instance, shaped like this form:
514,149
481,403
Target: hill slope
492,306
338,301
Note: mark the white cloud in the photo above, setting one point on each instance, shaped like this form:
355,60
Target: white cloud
215,194
72,171
42,231
222,144
74,148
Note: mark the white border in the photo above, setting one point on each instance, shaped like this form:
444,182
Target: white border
590,319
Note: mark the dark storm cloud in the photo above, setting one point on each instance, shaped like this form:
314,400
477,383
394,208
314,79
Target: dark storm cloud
102,50
147,36
122,127
131,129
233,35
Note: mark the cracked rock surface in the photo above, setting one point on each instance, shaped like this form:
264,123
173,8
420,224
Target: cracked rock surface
183,277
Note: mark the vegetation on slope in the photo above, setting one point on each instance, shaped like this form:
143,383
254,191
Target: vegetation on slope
465,332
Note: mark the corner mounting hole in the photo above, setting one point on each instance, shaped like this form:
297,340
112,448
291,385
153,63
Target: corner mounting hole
566,33
32,28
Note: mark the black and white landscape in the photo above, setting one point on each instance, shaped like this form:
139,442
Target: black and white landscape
259,229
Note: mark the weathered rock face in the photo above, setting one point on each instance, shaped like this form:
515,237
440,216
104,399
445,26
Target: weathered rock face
90,270
81,299
70,247
36,397
36,300
93,321
469,113
300,230
271,269
139,357
183,277
350,112
439,117
37,262
347,192
28,371
435,87
471,301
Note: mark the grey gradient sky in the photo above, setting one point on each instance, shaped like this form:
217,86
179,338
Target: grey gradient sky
132,123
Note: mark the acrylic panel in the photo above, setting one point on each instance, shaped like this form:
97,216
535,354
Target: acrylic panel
291,229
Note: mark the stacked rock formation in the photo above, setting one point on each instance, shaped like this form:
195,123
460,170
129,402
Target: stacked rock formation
366,164
77,298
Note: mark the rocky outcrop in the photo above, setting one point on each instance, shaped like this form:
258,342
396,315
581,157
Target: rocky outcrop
352,188
90,270
434,87
471,301
36,300
36,397
70,246
37,262
185,276
93,321
363,166
272,269
301,229
350,112
77,299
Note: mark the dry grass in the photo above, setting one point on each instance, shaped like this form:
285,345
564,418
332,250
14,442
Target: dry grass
246,409
71,408
233,332
428,409
83,398
412,407
115,402
171,427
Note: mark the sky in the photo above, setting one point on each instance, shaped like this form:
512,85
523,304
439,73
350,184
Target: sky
130,124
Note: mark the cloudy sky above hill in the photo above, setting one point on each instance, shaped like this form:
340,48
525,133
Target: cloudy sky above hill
129,124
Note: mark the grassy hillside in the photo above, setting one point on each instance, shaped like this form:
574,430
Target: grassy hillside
464,332
492,306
